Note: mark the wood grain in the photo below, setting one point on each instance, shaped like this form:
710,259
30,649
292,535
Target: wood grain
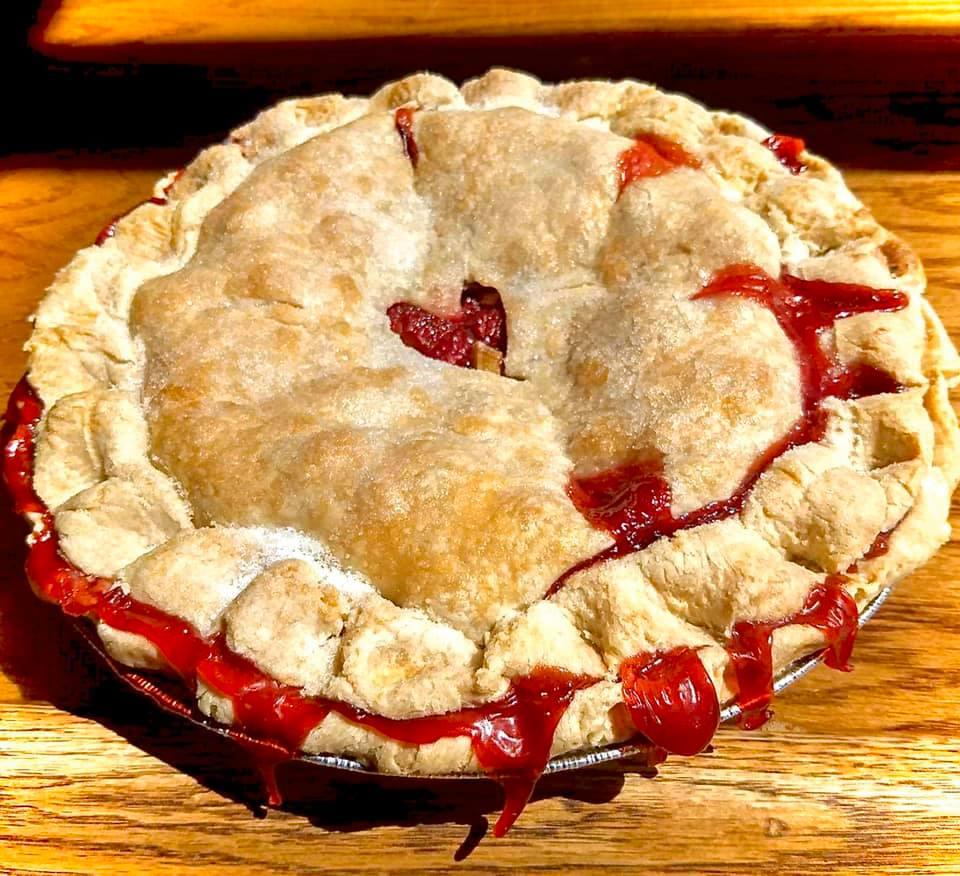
111,22
857,773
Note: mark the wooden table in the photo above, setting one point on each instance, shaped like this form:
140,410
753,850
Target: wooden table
102,24
857,773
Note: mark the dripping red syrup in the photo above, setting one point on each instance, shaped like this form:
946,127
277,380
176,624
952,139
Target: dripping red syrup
787,150
829,608
267,755
453,338
651,155
671,700
403,119
633,502
511,737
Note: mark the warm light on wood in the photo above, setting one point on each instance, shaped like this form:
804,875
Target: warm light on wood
78,23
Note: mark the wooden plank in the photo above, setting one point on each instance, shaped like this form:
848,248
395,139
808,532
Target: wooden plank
112,22
80,798
856,774
48,212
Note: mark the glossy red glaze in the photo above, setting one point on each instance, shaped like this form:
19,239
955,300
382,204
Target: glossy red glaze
666,694
671,699
514,742
57,580
787,149
805,309
752,661
881,544
179,643
651,155
632,502
108,231
403,118
261,705
23,413
452,338
828,608
511,737
267,754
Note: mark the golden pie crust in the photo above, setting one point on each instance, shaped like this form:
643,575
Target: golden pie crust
235,435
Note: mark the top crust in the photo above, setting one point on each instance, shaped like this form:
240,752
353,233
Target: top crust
234,433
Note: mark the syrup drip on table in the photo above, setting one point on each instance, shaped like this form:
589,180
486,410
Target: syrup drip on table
454,338
649,156
511,737
787,149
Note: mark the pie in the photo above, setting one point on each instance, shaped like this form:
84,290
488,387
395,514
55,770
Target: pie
452,429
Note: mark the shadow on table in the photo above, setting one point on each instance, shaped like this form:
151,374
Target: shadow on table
49,660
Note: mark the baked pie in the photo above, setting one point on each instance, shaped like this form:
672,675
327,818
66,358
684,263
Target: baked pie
452,429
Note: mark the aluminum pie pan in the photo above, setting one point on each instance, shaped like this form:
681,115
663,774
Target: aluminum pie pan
571,761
